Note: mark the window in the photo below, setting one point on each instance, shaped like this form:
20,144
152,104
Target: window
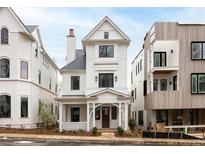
45,63
145,87
36,52
135,93
105,80
163,84
175,83
97,113
75,114
140,118
155,85
198,83
159,59
75,82
50,83
5,106
162,116
136,69
131,78
4,36
177,117
106,51
4,68
24,107
106,35
140,64
24,70
56,88
198,50
114,113
39,77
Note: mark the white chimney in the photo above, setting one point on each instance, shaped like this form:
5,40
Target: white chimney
71,45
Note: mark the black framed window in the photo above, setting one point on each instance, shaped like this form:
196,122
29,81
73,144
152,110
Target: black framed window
198,83
5,106
159,59
106,80
75,82
145,87
175,83
4,68
4,36
39,77
24,107
197,50
106,35
140,118
114,112
106,51
75,114
97,113
24,70
155,85
162,116
163,84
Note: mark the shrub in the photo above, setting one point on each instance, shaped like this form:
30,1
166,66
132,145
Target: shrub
132,124
120,131
81,130
94,131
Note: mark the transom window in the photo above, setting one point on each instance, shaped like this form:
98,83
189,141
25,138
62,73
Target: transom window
75,114
4,36
114,113
75,82
4,68
106,51
24,70
106,80
106,35
24,107
159,59
198,50
5,106
163,84
198,83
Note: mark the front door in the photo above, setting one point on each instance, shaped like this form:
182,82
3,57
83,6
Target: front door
105,117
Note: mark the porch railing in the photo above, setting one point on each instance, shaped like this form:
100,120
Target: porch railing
74,125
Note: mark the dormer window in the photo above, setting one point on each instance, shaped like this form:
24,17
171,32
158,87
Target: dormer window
4,36
106,51
106,35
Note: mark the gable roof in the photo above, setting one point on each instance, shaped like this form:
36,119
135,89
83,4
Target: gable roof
77,64
110,91
106,18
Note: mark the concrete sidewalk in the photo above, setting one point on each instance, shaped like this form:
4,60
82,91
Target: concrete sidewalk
108,139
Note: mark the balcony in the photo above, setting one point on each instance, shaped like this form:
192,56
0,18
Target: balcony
162,100
164,70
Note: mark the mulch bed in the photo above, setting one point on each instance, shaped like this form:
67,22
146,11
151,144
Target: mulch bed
130,135
48,131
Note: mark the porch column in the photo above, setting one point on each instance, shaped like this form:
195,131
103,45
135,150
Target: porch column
93,114
60,117
88,116
120,115
126,115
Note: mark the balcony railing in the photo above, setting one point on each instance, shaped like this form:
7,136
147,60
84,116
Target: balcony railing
162,100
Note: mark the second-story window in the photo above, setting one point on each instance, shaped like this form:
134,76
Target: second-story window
39,77
24,70
198,50
163,84
50,83
4,68
4,36
155,85
198,83
159,59
75,82
106,35
106,51
106,80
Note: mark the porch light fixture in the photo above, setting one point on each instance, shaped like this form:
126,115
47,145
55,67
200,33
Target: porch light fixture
115,77
172,50
170,83
96,78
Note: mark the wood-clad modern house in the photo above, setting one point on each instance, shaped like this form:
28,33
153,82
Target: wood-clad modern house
172,87
94,89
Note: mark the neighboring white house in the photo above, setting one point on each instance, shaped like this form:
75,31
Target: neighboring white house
94,86
27,74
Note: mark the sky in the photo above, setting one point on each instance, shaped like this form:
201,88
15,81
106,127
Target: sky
135,22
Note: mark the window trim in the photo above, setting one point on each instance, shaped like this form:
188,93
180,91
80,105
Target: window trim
197,93
106,51
160,52
201,42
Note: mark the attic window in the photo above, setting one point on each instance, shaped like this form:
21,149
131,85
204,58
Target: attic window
106,35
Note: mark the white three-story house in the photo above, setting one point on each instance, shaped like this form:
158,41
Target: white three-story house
94,86
27,74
